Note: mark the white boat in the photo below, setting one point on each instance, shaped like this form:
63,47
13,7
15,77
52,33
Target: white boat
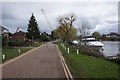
75,42
92,42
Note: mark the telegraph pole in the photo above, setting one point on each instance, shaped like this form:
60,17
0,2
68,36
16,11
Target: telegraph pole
46,19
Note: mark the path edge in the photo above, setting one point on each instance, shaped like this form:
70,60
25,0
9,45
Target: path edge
65,67
11,60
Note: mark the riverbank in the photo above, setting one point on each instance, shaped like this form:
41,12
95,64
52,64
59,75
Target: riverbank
84,66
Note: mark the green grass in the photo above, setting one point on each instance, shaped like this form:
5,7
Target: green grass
83,66
38,44
12,53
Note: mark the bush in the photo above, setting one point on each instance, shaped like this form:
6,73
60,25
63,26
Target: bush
4,41
44,38
17,43
115,61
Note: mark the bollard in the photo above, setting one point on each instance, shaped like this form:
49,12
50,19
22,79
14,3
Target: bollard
19,51
3,56
68,50
77,51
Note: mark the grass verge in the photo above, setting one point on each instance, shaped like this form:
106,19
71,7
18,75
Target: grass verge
84,66
38,44
11,53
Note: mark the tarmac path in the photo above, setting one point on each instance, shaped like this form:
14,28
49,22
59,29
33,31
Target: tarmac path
43,62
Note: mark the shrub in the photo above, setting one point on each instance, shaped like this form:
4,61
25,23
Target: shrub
17,43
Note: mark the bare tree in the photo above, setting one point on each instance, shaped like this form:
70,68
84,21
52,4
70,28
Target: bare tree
85,28
67,23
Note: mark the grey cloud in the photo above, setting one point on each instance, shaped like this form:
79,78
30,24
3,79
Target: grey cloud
7,16
112,22
17,14
109,28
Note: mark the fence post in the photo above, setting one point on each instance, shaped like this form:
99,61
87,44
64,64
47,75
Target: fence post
3,56
19,51
77,51
68,50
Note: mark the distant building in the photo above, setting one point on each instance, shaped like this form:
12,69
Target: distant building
4,32
107,35
113,35
18,36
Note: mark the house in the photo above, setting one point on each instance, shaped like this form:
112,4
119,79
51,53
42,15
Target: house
18,36
107,36
4,32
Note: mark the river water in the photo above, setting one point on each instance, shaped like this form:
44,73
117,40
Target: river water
111,48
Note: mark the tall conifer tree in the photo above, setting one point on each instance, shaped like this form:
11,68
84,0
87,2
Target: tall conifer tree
33,29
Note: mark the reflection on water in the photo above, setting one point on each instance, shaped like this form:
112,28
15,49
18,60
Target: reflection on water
110,48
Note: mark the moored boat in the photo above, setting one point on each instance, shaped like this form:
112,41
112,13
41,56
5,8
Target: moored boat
93,43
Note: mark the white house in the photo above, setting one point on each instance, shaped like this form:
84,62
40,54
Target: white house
3,30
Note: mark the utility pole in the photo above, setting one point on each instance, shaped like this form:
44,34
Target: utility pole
46,19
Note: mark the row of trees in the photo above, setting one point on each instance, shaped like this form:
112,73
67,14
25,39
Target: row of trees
65,31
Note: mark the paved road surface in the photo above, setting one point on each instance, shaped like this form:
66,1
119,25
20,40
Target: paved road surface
44,62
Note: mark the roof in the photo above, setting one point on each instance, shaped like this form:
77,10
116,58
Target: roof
89,38
19,33
1,27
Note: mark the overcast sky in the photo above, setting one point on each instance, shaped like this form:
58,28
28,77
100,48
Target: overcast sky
103,16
